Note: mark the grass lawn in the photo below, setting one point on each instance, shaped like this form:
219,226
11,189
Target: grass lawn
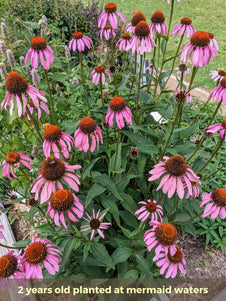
206,15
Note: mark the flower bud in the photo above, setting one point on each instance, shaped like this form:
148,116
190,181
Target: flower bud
31,202
134,152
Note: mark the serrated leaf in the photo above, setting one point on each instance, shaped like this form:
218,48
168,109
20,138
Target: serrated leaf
105,181
100,252
86,251
22,243
68,250
121,255
94,191
89,167
148,149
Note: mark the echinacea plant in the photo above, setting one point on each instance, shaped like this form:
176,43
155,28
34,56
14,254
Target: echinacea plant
111,161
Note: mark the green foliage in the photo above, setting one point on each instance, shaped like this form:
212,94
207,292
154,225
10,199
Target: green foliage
112,181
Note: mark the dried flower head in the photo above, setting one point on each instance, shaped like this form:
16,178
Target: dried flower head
4,30
10,58
3,70
3,48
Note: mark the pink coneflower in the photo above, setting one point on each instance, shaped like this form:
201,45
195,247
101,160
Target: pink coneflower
213,42
219,92
182,96
40,253
52,172
38,50
184,26
14,159
88,129
151,69
162,235
200,48
150,208
216,203
99,73
212,129
42,105
195,191
59,141
157,23
217,75
182,68
1,234
169,1
109,14
124,42
142,41
138,16
166,260
108,32
177,173
10,267
95,224
16,86
79,41
119,110
64,203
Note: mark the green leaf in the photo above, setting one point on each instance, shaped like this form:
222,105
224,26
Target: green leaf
128,203
131,274
86,251
89,167
105,181
22,243
101,254
144,266
118,161
68,250
121,255
182,217
221,231
137,138
94,191
148,149
110,203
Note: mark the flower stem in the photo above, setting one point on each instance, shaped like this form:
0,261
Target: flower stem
50,96
138,86
198,147
35,125
83,83
215,112
44,215
171,132
178,48
9,247
194,71
116,153
101,95
214,153
129,170
188,221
